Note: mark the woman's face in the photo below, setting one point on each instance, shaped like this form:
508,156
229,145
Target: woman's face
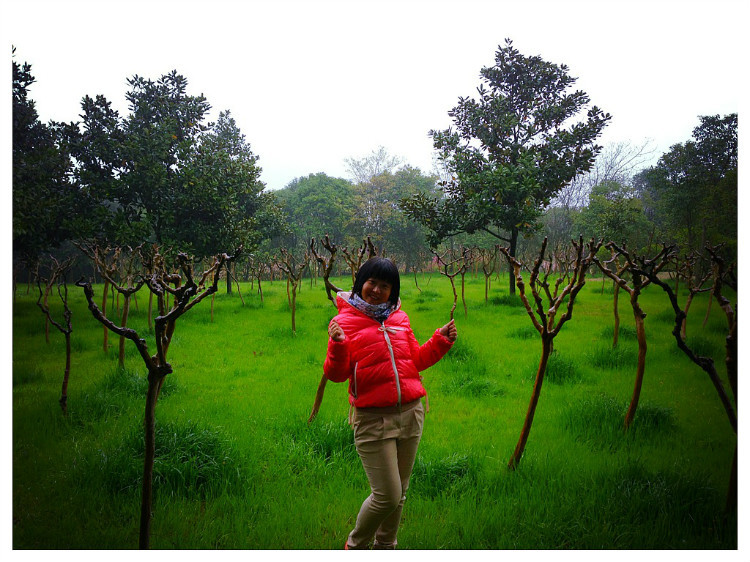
376,291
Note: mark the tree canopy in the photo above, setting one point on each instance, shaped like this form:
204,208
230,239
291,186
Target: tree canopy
512,150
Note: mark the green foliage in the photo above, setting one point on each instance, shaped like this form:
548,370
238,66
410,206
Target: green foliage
512,150
45,201
691,193
614,213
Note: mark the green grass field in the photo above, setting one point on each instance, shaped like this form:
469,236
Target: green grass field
238,467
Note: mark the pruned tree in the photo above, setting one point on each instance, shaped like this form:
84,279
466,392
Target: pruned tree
127,266
451,266
293,267
619,270
634,289
57,278
687,271
186,293
488,259
720,276
327,265
355,259
545,319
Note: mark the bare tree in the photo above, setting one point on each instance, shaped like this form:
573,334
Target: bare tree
488,259
185,296
545,320
58,273
451,267
634,289
362,170
720,276
126,264
617,162
293,268
326,265
355,259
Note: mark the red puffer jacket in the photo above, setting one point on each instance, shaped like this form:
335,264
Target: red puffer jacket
381,361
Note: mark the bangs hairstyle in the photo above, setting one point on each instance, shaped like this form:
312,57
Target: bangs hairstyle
382,269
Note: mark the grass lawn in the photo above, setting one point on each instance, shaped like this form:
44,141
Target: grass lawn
239,468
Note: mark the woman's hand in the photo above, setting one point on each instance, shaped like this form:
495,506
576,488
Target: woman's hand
335,332
449,331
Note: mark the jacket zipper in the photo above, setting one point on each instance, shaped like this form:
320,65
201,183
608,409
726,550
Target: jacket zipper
393,362
355,380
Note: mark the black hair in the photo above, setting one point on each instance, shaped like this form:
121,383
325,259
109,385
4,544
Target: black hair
382,269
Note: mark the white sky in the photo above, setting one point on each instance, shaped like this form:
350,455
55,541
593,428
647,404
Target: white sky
312,83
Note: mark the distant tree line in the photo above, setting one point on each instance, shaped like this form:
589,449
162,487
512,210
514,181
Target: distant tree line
519,164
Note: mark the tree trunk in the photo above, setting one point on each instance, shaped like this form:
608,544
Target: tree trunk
150,309
463,296
455,297
640,331
104,313
64,393
229,281
617,317
683,329
294,308
124,323
148,461
708,310
512,251
318,398
518,453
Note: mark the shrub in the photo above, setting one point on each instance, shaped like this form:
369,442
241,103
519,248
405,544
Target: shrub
432,478
608,357
561,370
599,422
191,461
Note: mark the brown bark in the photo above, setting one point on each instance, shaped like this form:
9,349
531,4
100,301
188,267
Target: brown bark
640,331
185,297
521,445
66,376
123,322
545,321
105,345
318,398
617,316
144,535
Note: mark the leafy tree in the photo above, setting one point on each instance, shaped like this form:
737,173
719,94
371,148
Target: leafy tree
691,193
614,213
44,197
162,133
381,217
317,205
223,199
513,149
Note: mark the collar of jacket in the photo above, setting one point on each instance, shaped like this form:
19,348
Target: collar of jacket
342,303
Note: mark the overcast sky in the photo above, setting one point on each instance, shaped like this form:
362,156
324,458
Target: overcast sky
313,83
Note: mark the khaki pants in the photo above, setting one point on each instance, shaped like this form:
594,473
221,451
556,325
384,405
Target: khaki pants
387,441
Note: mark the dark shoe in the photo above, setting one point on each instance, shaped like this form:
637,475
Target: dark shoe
378,546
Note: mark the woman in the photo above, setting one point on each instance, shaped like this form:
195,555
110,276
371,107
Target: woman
373,347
